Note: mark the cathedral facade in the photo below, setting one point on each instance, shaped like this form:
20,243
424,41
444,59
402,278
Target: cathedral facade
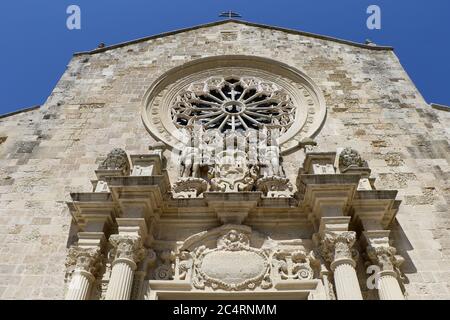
228,160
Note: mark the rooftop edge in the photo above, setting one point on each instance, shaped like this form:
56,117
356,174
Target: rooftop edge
220,22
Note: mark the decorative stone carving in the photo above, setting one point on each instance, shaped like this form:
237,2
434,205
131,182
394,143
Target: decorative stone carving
127,247
189,187
271,162
385,257
165,271
275,187
293,265
86,259
350,157
183,265
232,173
233,104
117,159
334,246
191,154
238,94
233,265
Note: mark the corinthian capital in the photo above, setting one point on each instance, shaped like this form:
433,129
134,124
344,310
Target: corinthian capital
127,247
83,259
334,246
385,257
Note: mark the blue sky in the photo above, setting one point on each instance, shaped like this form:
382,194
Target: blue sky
36,45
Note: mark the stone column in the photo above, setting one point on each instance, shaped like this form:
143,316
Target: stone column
387,283
127,252
83,264
336,248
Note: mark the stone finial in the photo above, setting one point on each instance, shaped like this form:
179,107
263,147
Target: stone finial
117,159
350,157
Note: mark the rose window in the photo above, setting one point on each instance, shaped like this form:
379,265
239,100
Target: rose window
234,104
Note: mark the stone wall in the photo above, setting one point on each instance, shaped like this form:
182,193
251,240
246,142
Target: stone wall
372,106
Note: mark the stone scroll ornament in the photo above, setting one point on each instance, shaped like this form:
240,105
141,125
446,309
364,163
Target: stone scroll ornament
165,271
293,265
217,268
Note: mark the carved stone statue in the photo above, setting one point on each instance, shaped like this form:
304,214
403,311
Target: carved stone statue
190,158
271,162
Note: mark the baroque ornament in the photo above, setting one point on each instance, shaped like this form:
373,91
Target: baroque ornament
234,104
85,259
127,247
232,172
350,157
234,94
293,265
334,246
189,187
218,268
275,187
165,271
117,159
385,257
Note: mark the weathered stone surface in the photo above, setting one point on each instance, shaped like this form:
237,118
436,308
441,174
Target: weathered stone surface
373,107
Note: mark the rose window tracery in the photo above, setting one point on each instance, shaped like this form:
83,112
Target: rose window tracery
234,104
234,94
